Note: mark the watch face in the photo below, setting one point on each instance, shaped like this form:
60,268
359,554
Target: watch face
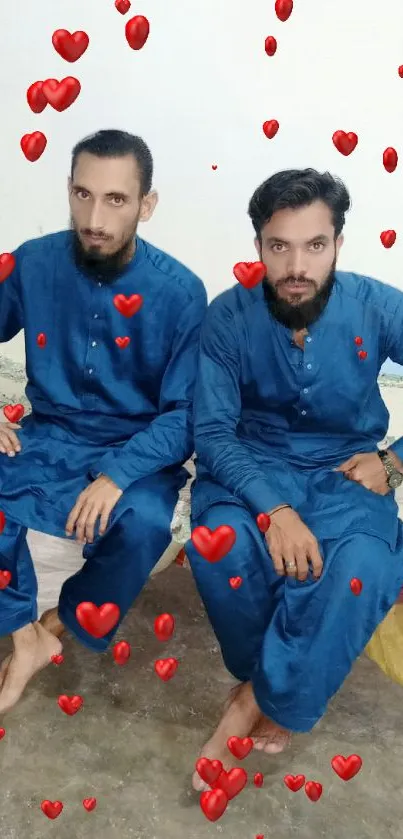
395,480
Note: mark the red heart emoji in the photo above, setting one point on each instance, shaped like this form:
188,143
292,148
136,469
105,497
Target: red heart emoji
5,578
362,354
213,545
2,733
270,45
313,790
209,770
2,521
33,145
213,803
294,782
180,559
89,804
41,339
7,265
270,128
345,143
235,582
122,342
400,71
165,668
97,621
249,274
70,46
283,9
36,98
70,704
52,809
358,341
128,306
14,412
214,167
61,95
137,30
258,779
260,836
263,522
121,652
240,748
57,659
390,159
346,767
356,586
122,6
388,238
232,782
164,626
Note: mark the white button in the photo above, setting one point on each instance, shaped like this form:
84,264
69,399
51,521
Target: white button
309,366
100,284
94,343
309,340
95,316
303,413
306,389
90,370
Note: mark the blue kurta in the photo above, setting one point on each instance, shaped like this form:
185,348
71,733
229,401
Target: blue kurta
271,424
96,407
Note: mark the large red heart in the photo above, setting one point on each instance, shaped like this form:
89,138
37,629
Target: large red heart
345,143
249,274
165,668
121,652
122,342
294,782
7,265
36,98
61,95
70,46
346,767
270,128
128,306
70,704
2,733
14,412
2,521
33,145
232,782
213,544
90,804
122,6
97,621
283,9
52,809
164,626
213,803
388,238
390,159
209,770
313,790
263,522
240,748
137,30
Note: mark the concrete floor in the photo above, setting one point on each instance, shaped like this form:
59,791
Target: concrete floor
134,744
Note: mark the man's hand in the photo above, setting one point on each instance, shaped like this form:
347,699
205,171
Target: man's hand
9,442
289,540
97,501
368,470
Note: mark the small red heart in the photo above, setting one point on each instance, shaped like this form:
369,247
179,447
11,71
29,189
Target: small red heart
97,621
313,790
61,95
240,748
362,354
14,412
70,704
214,167
270,45
249,274
232,782
36,98
164,626
180,559
41,339
388,238
209,770
5,578
283,9
390,159
258,779
213,545
7,265
263,522
270,128
235,582
2,733
70,46
121,652
128,306
346,767
356,586
358,341
345,143
33,145
400,71
294,782
213,803
122,6
2,521
89,804
52,809
165,668
122,342
57,659
260,836
137,30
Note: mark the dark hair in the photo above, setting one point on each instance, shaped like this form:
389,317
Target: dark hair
298,188
114,143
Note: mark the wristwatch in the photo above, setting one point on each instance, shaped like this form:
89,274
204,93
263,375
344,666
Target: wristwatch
394,477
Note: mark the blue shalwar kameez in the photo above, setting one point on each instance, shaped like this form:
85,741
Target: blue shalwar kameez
97,408
271,424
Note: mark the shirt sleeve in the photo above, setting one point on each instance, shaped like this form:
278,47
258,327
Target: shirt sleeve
11,312
395,353
217,412
168,440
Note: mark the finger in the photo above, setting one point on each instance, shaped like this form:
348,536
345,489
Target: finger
90,524
289,557
74,514
276,558
10,440
302,566
315,558
103,524
82,522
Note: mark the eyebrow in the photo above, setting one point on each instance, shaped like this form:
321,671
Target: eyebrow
276,240
115,193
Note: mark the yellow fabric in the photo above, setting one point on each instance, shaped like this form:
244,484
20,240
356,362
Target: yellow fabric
386,645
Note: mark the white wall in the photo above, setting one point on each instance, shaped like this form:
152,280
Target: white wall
198,92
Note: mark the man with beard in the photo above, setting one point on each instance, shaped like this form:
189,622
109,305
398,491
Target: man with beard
288,415
111,331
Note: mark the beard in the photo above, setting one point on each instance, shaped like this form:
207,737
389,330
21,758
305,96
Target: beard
98,266
299,316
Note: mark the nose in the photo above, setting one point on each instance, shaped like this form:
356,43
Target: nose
96,221
296,266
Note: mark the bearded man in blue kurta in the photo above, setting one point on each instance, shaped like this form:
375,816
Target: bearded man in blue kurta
288,416
111,331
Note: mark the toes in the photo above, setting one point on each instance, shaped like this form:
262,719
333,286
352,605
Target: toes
259,744
198,784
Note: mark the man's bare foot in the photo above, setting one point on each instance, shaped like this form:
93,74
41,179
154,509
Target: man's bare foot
3,668
33,649
50,620
269,737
